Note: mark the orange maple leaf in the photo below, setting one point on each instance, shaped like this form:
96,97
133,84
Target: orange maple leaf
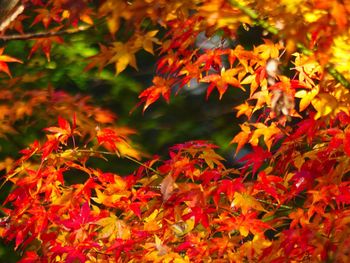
4,59
244,109
242,137
161,87
222,80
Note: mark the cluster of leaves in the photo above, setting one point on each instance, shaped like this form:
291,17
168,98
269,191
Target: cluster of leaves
289,201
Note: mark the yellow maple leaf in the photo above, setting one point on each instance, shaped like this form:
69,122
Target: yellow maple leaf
268,50
211,157
246,202
222,81
146,40
269,133
262,97
309,69
306,97
124,55
113,228
324,104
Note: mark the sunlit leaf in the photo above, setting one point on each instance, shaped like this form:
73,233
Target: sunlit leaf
246,202
4,59
324,104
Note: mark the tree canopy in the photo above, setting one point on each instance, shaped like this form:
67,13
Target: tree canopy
248,162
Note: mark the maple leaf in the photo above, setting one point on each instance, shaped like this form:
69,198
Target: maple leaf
211,158
222,81
262,97
308,69
256,158
324,104
200,214
45,45
124,55
302,180
211,58
171,63
4,59
268,50
246,202
228,188
242,137
259,242
270,133
46,16
115,10
307,127
306,97
108,137
161,87
190,71
49,146
17,24
244,109
146,40
79,218
113,228
344,194
270,184
30,150
63,131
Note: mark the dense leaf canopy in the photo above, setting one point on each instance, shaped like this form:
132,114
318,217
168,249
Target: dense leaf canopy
248,162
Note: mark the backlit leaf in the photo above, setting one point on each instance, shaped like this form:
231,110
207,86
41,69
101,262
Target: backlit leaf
324,104
246,203
4,59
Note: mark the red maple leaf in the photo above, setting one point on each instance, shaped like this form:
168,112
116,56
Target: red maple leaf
255,158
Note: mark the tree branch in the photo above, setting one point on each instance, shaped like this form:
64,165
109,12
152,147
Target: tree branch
273,30
44,33
123,156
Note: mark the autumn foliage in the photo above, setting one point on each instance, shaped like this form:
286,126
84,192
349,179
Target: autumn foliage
286,201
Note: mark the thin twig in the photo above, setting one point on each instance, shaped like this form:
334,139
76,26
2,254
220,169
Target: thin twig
276,205
44,33
124,156
273,30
